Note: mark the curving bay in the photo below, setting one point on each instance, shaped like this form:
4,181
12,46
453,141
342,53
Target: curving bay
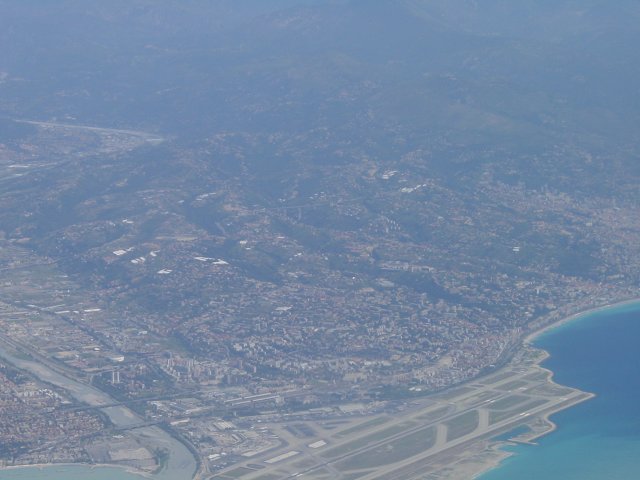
599,439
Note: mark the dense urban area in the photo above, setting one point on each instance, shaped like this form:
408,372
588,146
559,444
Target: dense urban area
324,269
266,314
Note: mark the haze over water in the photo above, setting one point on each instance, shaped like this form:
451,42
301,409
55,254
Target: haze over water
598,439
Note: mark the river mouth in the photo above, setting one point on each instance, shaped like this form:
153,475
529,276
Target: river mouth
178,463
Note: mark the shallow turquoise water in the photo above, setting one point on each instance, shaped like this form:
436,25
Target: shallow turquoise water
67,473
599,439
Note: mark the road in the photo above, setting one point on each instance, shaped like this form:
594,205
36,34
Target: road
428,438
181,464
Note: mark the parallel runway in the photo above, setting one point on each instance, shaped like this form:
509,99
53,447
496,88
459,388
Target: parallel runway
422,442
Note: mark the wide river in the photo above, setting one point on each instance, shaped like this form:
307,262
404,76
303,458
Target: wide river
180,464
598,439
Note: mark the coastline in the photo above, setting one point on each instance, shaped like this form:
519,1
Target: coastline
494,453
577,315
486,453
155,437
90,466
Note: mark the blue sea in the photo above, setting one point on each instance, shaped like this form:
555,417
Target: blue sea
66,472
598,439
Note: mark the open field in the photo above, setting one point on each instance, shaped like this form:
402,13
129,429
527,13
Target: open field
462,425
386,433
363,426
391,452
430,439
433,415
